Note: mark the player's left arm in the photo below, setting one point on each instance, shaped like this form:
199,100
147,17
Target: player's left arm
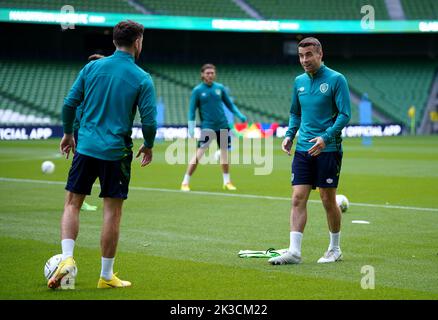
231,106
342,101
194,104
148,113
71,102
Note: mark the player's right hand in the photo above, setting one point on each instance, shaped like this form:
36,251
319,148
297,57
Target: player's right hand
67,144
286,145
147,155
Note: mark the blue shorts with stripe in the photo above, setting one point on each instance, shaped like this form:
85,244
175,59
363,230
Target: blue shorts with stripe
321,171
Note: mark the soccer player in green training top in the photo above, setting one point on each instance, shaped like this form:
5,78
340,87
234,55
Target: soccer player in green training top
110,90
208,97
320,110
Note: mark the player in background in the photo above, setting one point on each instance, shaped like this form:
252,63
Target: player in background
320,110
208,98
110,89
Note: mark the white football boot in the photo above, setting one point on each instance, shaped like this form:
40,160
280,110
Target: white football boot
286,258
331,256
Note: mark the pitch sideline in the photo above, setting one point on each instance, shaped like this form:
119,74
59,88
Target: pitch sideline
222,194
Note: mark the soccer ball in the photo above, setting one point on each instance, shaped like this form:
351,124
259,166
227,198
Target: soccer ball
342,202
48,167
52,265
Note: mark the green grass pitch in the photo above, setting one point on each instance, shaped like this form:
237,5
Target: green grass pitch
177,245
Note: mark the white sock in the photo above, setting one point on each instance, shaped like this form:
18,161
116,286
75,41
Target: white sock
226,178
107,268
67,246
295,242
186,179
334,240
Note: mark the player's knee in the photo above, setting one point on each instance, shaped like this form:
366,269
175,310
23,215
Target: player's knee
73,201
328,201
299,200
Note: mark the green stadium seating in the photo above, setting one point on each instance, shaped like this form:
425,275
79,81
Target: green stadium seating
420,9
202,8
79,5
317,9
392,85
262,92
272,9
39,85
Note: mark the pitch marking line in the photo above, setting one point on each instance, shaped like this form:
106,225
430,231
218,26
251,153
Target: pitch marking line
236,195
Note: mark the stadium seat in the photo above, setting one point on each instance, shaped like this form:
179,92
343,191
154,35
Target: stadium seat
201,8
79,5
420,9
262,92
317,9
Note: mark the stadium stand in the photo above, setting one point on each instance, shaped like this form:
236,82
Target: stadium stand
273,9
262,92
257,90
420,9
175,99
37,86
13,112
317,9
391,89
79,5
202,8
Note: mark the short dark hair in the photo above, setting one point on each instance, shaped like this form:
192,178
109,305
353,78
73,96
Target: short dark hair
126,32
310,41
208,66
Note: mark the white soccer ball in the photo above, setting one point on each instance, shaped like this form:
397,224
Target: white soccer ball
52,265
48,167
342,202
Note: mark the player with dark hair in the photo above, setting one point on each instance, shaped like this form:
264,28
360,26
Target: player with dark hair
320,110
110,90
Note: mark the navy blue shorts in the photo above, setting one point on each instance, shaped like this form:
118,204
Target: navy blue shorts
321,171
222,136
113,176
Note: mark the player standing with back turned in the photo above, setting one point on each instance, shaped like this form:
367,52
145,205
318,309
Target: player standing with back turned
109,90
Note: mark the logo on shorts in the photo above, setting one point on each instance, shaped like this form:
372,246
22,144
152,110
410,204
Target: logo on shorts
323,87
218,92
329,180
